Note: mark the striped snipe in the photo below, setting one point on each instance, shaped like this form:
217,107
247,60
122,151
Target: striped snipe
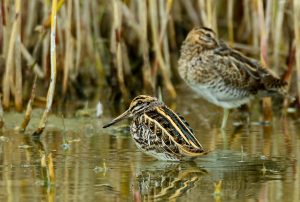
222,75
160,132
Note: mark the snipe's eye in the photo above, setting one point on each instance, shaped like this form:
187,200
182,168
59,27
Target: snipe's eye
208,35
139,102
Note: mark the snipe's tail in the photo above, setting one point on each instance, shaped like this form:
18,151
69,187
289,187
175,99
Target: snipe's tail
272,84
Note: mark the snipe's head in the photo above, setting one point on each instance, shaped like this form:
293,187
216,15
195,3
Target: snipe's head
202,36
138,106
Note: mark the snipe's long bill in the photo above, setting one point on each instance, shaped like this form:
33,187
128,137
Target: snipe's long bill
160,132
222,75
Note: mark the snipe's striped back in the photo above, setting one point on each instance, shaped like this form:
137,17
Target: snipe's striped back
160,132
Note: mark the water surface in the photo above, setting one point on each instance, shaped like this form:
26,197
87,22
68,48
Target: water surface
247,163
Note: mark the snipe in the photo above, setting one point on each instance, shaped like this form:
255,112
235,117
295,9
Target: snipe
160,132
222,75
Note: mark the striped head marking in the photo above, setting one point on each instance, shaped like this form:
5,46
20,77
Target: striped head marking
143,103
138,105
203,36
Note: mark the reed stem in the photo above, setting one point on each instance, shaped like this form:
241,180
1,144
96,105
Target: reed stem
297,42
278,33
116,46
31,61
18,65
264,36
51,88
69,48
158,55
27,116
8,80
230,8
1,113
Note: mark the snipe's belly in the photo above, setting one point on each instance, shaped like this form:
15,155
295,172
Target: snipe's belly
226,97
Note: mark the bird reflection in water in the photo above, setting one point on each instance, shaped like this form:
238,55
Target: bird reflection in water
165,180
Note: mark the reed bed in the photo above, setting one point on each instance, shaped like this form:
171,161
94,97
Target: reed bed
116,49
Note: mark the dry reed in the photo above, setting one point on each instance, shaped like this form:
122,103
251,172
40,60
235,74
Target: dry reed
69,47
31,62
264,24
51,89
139,45
297,42
1,113
17,58
12,81
278,32
28,111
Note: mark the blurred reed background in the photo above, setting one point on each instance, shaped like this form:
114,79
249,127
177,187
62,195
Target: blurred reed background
117,49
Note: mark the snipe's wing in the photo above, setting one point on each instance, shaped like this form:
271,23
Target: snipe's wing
176,130
250,67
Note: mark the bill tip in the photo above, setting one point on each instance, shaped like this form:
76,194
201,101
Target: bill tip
106,126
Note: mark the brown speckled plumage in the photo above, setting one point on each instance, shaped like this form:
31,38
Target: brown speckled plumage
221,74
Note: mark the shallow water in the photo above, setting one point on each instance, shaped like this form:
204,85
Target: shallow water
254,162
